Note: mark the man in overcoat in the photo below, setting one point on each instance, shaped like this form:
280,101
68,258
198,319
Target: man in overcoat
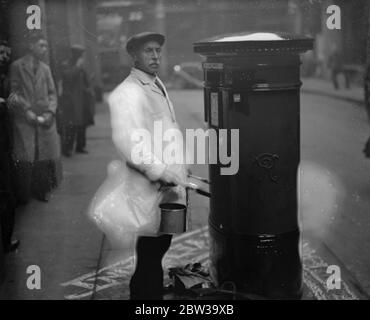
142,102
33,103
77,103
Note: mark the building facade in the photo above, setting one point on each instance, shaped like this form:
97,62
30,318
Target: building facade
183,23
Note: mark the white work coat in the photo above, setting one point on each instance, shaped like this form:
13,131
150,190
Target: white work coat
136,104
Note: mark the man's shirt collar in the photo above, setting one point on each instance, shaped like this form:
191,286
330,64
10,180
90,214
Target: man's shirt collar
143,77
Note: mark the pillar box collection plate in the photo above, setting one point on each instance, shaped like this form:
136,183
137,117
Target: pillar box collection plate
252,83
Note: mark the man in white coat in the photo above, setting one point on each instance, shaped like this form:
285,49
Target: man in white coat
141,102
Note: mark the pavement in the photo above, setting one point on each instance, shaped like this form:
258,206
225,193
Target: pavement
78,263
354,94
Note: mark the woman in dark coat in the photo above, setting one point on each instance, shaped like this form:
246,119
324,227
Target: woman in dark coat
76,103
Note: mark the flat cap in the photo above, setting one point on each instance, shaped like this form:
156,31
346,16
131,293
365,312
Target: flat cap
138,39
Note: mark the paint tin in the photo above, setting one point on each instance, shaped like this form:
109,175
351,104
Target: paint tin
173,218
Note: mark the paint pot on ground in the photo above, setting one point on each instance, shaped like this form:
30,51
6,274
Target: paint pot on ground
173,218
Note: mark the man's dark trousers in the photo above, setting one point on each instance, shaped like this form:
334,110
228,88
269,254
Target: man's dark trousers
147,281
72,134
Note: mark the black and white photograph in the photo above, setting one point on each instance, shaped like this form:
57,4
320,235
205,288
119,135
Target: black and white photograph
184,151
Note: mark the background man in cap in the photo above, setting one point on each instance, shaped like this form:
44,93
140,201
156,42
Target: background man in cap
139,101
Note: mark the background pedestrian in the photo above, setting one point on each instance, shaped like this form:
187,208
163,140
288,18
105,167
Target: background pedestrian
77,103
7,188
33,103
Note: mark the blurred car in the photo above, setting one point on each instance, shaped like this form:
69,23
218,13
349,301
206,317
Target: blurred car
187,75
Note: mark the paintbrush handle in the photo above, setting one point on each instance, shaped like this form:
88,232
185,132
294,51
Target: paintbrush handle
198,178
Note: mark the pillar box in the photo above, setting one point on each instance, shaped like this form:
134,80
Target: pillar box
252,83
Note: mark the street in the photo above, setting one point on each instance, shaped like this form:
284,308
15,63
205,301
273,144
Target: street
335,187
77,262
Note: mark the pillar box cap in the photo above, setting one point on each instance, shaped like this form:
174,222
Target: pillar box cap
252,43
